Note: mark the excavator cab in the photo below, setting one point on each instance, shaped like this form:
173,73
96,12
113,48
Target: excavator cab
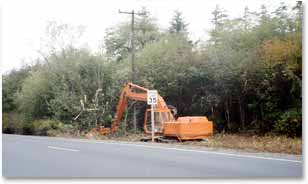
160,117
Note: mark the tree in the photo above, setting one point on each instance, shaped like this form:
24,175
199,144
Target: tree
298,15
56,89
267,26
249,19
282,19
178,24
146,28
264,15
218,21
117,38
154,64
11,85
59,37
246,18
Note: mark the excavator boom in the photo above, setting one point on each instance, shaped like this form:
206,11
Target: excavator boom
137,93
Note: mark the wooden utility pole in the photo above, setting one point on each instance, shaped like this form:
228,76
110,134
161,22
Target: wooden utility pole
132,41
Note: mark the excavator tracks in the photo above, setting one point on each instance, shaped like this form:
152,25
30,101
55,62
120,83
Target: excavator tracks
160,139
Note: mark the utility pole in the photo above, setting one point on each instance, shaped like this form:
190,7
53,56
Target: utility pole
133,13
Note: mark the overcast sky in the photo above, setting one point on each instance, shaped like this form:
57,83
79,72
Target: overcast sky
24,21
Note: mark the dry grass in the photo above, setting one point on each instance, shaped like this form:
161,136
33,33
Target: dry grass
250,143
128,137
273,144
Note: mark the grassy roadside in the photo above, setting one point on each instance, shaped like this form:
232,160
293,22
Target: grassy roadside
273,144
269,143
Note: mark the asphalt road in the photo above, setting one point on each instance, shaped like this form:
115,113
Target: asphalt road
29,156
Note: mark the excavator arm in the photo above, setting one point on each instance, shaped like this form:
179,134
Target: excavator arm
130,92
133,92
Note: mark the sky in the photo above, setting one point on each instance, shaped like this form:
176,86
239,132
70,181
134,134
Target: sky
23,23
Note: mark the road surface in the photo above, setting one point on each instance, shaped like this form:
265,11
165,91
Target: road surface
30,156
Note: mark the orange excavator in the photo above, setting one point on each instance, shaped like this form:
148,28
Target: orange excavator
182,128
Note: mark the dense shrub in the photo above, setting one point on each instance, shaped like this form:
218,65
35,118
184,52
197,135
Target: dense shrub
56,89
47,127
290,123
12,123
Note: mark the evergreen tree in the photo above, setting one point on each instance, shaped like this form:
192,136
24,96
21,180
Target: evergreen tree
178,24
218,20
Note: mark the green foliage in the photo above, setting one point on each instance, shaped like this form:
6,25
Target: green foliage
32,99
290,123
11,84
56,90
178,24
258,73
165,65
12,123
117,42
155,61
218,20
47,127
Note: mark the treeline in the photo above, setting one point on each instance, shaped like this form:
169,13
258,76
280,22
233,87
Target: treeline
247,78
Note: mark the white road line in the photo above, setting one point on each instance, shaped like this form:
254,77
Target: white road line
208,152
191,150
166,148
63,149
